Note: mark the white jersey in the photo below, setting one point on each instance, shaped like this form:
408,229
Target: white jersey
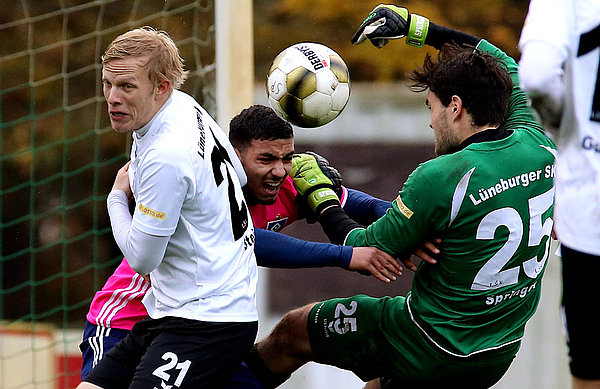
572,28
185,186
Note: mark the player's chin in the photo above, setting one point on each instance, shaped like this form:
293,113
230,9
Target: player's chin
120,126
268,197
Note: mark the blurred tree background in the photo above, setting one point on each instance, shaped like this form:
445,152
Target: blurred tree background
281,23
59,155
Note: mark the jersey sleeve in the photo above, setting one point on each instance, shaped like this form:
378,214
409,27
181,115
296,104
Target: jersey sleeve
545,45
414,216
163,185
278,250
144,251
364,208
519,116
548,21
541,70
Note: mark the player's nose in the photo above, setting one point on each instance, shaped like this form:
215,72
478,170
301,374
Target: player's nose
112,96
278,169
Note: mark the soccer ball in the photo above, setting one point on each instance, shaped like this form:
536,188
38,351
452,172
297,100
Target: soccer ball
308,84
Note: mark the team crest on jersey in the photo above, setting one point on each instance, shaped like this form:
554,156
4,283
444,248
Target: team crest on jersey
276,225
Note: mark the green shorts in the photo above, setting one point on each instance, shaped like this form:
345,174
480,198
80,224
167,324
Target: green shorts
375,337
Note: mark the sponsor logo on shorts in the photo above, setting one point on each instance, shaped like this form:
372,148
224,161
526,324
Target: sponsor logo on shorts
403,208
150,212
316,320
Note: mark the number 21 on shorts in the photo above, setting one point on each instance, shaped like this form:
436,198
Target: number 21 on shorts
161,371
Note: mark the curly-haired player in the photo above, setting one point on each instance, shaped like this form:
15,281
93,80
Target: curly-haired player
489,193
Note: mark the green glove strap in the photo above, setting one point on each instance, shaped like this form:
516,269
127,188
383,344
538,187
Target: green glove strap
320,198
417,30
311,182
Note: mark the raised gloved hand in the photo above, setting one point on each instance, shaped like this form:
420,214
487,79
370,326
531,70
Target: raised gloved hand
387,22
331,172
312,183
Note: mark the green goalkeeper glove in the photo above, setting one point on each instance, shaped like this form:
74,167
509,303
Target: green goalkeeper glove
312,184
387,22
331,172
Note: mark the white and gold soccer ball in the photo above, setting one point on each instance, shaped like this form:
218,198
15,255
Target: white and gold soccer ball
308,84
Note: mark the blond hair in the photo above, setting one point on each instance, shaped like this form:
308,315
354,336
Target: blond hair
164,61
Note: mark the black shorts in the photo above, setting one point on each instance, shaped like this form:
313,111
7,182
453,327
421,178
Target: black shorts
179,352
580,275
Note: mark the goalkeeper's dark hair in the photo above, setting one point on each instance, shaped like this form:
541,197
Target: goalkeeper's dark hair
480,80
258,122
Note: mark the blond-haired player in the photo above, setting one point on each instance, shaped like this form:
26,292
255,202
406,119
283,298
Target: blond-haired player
191,231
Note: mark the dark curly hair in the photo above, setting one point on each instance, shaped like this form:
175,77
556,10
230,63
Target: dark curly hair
480,80
257,122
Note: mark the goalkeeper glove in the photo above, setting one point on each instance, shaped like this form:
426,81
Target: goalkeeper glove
312,184
331,172
387,22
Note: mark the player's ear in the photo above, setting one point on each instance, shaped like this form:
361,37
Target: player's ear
241,152
163,87
456,105
237,152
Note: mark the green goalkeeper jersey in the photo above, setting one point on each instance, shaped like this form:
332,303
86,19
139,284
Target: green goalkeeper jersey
492,204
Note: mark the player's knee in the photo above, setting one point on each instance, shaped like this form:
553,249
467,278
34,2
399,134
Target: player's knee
292,331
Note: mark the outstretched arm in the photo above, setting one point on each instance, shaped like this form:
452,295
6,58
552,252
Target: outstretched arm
335,221
386,22
360,206
282,251
274,249
364,208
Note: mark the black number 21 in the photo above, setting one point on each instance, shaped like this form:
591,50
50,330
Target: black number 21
588,42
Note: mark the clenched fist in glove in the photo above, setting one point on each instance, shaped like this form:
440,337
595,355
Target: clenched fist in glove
387,22
331,172
312,183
